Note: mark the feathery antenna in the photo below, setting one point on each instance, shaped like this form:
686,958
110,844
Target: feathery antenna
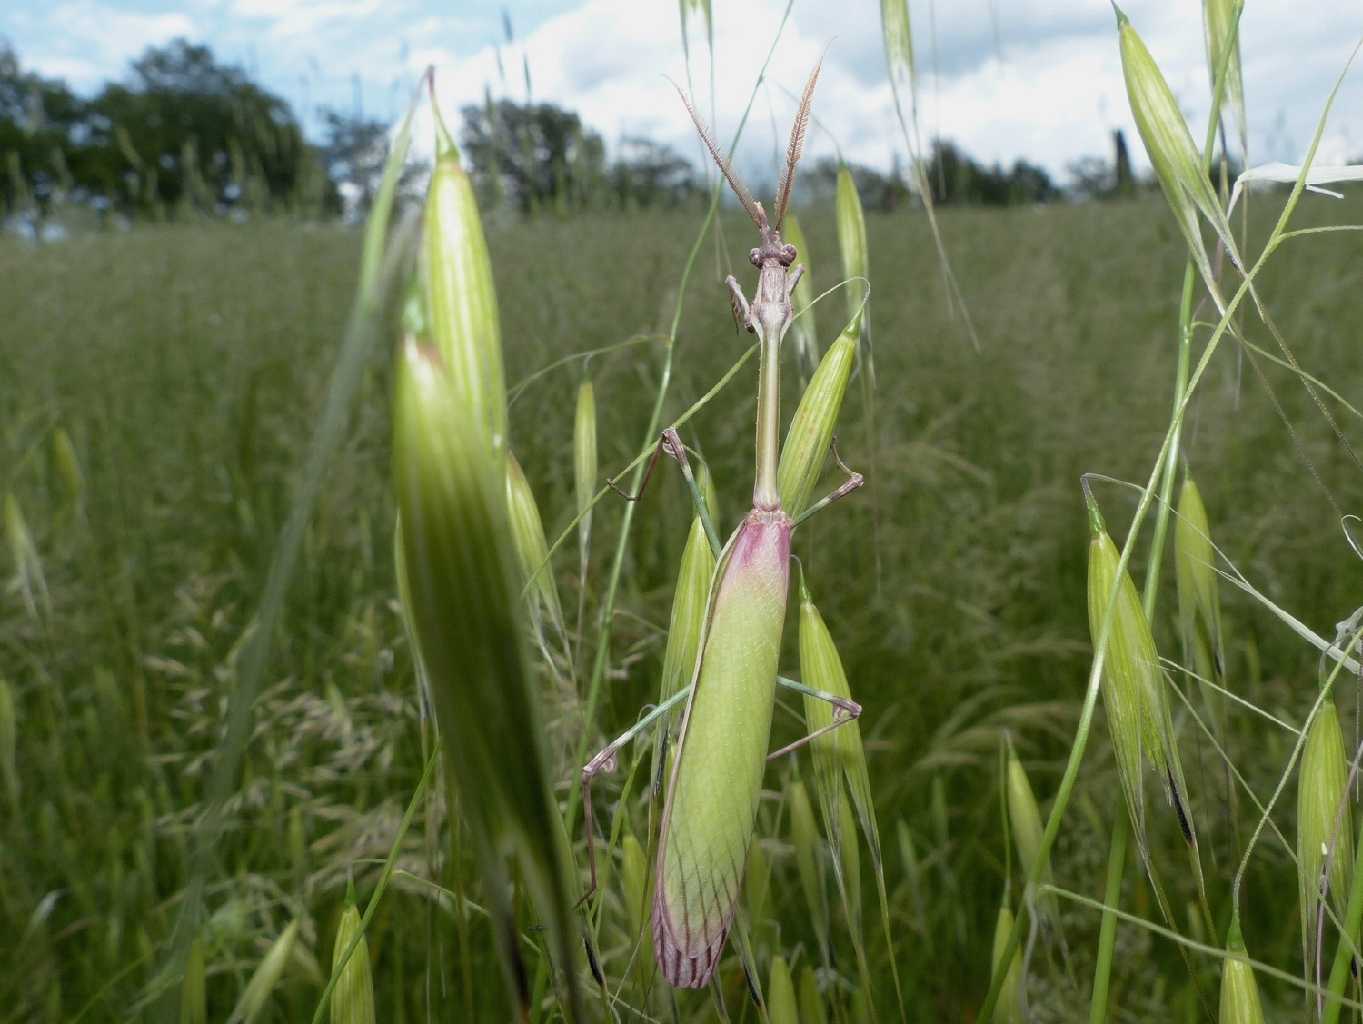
740,190
797,144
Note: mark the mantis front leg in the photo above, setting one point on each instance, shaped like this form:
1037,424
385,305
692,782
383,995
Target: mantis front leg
670,442
853,481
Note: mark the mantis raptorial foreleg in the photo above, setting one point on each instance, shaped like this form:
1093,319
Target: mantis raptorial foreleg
853,481
670,442
607,757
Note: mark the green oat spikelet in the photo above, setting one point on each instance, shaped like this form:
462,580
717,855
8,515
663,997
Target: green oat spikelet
67,465
1239,990
193,988
811,1002
804,330
1324,822
1132,686
634,883
811,428
584,480
28,567
1024,819
9,743
1223,45
852,246
266,978
781,1005
352,1001
461,302
459,555
756,883
532,548
804,836
1173,154
1010,1007
688,611
1199,597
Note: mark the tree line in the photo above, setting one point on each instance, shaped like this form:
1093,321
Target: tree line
185,133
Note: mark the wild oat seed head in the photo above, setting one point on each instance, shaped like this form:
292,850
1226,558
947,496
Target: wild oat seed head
1199,597
532,548
1132,685
1009,1009
1324,821
352,1000
781,1005
811,428
852,245
461,302
1239,990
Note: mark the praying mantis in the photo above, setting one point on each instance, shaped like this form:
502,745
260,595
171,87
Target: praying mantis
712,796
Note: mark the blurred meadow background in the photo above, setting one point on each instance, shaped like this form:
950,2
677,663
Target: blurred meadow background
173,304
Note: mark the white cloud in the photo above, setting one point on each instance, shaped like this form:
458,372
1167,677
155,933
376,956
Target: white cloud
289,19
95,41
1048,88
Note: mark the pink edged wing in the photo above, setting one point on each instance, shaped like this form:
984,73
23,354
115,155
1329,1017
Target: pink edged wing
713,794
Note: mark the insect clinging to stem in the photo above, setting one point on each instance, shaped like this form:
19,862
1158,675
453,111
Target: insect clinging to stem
710,808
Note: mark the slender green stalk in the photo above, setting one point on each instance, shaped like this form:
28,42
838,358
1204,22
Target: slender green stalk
1107,931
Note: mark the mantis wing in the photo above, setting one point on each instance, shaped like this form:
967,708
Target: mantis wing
712,796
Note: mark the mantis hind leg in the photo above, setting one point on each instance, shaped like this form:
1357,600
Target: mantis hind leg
605,761
844,711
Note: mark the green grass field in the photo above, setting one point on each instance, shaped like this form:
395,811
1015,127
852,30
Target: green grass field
188,366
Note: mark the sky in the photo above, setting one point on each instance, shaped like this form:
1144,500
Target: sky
1006,79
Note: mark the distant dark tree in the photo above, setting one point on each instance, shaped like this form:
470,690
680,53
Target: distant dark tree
185,129
956,178
1124,184
649,173
878,191
1091,177
538,155
41,123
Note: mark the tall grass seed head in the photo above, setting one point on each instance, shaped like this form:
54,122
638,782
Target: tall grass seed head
804,837
461,302
459,558
852,245
1239,991
687,621
1132,684
811,428
67,465
532,548
1024,818
352,1000
1218,23
266,978
781,1005
584,453
1174,156
1324,819
1199,597
1009,1008
839,754
811,1002
193,988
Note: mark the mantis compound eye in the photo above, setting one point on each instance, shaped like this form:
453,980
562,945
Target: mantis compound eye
755,257
788,254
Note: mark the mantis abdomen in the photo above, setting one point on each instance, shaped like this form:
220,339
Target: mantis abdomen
712,798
